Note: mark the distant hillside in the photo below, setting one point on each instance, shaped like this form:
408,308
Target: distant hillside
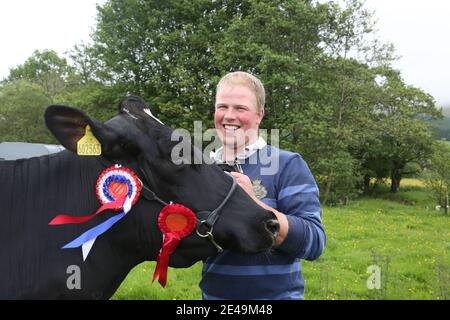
446,111
442,127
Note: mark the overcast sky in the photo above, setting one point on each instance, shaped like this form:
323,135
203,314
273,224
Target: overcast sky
29,25
419,29
420,32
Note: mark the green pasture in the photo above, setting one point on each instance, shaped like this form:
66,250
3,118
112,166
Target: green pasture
402,234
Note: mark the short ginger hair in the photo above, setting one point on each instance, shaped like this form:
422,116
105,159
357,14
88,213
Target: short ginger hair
248,80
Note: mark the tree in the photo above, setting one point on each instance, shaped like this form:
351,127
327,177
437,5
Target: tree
340,124
98,100
163,51
437,172
46,69
280,42
175,55
22,106
46,74
399,124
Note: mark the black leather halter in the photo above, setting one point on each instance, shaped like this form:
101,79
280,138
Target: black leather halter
206,225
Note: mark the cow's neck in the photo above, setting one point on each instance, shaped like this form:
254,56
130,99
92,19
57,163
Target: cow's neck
31,259
123,246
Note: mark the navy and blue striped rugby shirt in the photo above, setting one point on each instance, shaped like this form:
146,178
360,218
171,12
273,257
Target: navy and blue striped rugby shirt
292,190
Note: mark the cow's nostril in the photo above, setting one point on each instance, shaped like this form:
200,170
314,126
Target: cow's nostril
273,226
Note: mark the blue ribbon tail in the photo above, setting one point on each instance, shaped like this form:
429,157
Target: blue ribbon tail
94,232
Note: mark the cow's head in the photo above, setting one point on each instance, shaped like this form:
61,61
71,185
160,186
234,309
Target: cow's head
135,138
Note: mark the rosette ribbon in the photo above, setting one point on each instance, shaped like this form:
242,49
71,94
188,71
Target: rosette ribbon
175,222
118,189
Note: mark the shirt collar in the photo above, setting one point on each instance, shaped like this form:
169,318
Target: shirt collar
248,151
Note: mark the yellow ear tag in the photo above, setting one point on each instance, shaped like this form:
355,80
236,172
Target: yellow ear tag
89,145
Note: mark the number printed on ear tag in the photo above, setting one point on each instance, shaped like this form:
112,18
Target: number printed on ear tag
89,145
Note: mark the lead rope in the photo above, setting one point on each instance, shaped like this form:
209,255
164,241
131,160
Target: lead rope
213,216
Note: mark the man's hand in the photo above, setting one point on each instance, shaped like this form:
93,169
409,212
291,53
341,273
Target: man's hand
246,184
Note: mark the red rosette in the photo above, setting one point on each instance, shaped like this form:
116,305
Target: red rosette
176,218
175,222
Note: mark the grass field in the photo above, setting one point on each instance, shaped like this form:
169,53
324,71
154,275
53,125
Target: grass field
401,234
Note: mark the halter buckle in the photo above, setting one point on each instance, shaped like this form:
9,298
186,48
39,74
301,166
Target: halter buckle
208,234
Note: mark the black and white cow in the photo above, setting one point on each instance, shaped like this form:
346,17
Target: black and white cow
33,191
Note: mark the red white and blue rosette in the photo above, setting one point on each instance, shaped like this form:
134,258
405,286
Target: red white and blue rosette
118,188
116,182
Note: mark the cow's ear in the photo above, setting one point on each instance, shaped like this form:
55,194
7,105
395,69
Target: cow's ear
68,125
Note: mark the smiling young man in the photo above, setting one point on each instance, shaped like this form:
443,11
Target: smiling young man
288,189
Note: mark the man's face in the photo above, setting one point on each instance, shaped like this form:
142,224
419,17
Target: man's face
236,117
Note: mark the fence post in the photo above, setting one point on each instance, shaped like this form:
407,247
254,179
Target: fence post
446,204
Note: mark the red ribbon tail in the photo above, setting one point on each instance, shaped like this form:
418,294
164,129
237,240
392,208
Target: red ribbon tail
161,270
67,219
171,241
